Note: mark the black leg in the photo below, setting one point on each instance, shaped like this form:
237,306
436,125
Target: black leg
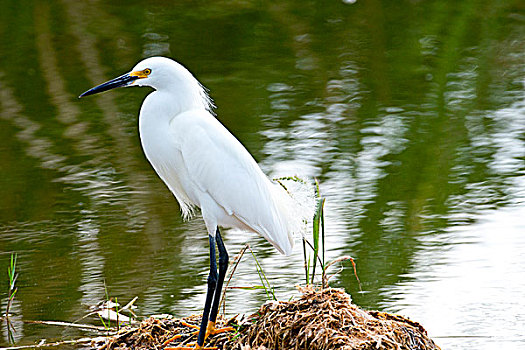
212,286
223,267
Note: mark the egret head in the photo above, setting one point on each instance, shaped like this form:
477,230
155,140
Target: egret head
160,73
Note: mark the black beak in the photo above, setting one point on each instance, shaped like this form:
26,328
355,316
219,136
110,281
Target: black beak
123,80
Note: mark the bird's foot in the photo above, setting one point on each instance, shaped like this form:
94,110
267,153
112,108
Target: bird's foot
211,330
178,336
192,346
189,325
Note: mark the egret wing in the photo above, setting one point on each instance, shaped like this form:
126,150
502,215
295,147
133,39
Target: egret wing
218,165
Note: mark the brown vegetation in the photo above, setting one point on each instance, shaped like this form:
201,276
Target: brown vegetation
320,319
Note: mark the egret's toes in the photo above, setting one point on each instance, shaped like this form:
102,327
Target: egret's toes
175,337
211,330
191,346
186,324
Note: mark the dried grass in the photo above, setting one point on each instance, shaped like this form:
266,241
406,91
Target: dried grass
320,319
327,319
153,333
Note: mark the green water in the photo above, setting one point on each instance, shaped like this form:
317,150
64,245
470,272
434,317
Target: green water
410,114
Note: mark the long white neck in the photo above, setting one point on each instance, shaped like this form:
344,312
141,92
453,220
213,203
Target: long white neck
177,91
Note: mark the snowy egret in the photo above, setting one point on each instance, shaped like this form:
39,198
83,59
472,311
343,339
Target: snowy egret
205,166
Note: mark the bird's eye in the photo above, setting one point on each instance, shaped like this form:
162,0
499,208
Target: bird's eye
147,71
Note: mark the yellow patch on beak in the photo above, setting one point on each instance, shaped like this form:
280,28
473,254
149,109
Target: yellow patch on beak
140,73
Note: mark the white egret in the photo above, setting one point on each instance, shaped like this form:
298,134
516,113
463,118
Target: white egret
205,166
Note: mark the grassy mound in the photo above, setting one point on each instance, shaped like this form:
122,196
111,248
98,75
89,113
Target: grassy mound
324,319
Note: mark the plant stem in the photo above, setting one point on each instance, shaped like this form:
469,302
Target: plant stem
11,273
305,263
262,276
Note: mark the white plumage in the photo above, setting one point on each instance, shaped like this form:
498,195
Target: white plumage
203,164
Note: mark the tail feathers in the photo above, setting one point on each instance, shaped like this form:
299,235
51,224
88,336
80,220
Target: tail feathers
295,201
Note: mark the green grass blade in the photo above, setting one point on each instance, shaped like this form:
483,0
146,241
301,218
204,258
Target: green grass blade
317,222
270,294
323,277
322,230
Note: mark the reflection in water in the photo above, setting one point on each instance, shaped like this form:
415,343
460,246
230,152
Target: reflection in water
413,125
156,45
38,148
476,269
66,112
12,327
88,253
441,294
